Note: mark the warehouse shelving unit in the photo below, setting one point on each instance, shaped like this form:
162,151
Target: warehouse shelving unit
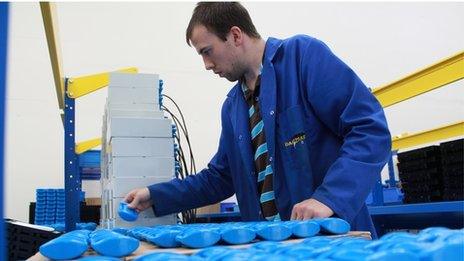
417,216
3,52
68,90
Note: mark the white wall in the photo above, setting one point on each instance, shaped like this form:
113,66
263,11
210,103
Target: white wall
381,41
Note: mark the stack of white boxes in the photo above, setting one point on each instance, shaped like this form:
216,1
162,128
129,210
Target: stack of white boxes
137,147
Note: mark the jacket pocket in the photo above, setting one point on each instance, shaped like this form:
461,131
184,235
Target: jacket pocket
293,138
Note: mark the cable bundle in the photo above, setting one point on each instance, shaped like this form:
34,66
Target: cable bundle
183,167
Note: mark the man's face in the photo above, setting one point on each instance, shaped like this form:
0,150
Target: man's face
218,55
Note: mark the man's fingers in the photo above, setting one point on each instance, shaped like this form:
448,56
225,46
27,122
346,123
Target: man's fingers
129,197
293,216
308,214
134,203
297,214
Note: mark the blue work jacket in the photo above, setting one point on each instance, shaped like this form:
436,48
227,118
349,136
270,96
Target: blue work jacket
326,135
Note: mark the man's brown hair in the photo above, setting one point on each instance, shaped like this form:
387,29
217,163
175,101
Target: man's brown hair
219,17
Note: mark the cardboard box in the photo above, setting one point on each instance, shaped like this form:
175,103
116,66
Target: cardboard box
215,208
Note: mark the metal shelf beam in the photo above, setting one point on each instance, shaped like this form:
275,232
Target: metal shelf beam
84,146
80,86
437,75
51,31
428,136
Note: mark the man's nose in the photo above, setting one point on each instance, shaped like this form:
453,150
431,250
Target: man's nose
208,64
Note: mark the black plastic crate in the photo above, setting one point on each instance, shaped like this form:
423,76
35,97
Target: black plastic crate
453,177
453,185
422,191
419,164
416,198
450,146
453,168
453,158
422,153
422,197
24,240
88,213
453,196
420,175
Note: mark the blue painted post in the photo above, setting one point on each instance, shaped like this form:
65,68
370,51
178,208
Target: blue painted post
377,193
3,53
391,170
71,165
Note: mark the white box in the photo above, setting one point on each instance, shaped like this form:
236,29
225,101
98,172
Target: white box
134,106
130,80
141,166
139,127
140,147
120,95
146,222
122,186
155,114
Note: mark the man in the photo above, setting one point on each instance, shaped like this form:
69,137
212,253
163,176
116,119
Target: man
302,137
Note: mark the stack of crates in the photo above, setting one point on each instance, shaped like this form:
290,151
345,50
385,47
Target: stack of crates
452,155
137,146
420,172
50,206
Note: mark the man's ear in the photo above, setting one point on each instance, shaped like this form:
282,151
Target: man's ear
236,35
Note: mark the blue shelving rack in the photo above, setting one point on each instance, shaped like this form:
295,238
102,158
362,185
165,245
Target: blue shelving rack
72,183
3,61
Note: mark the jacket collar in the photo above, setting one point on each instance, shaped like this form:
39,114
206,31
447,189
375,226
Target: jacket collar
272,46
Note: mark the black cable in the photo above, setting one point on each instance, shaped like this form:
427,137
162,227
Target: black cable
189,215
184,131
181,152
192,159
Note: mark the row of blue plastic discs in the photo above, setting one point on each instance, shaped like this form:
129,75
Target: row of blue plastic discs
205,235
74,244
429,244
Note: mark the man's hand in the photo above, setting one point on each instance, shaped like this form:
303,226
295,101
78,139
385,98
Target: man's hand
139,199
310,208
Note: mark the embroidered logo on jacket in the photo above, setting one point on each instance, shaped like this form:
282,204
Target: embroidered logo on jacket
300,137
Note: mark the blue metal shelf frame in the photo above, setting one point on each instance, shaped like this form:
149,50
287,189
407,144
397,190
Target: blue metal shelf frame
433,207
3,65
377,191
417,216
72,180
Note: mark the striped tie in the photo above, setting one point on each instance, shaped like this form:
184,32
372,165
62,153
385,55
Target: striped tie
261,156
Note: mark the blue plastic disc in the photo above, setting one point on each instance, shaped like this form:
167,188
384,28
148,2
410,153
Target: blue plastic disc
238,235
304,229
334,225
64,247
199,238
127,213
274,231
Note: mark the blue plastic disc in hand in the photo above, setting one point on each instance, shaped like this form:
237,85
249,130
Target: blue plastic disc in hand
126,213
